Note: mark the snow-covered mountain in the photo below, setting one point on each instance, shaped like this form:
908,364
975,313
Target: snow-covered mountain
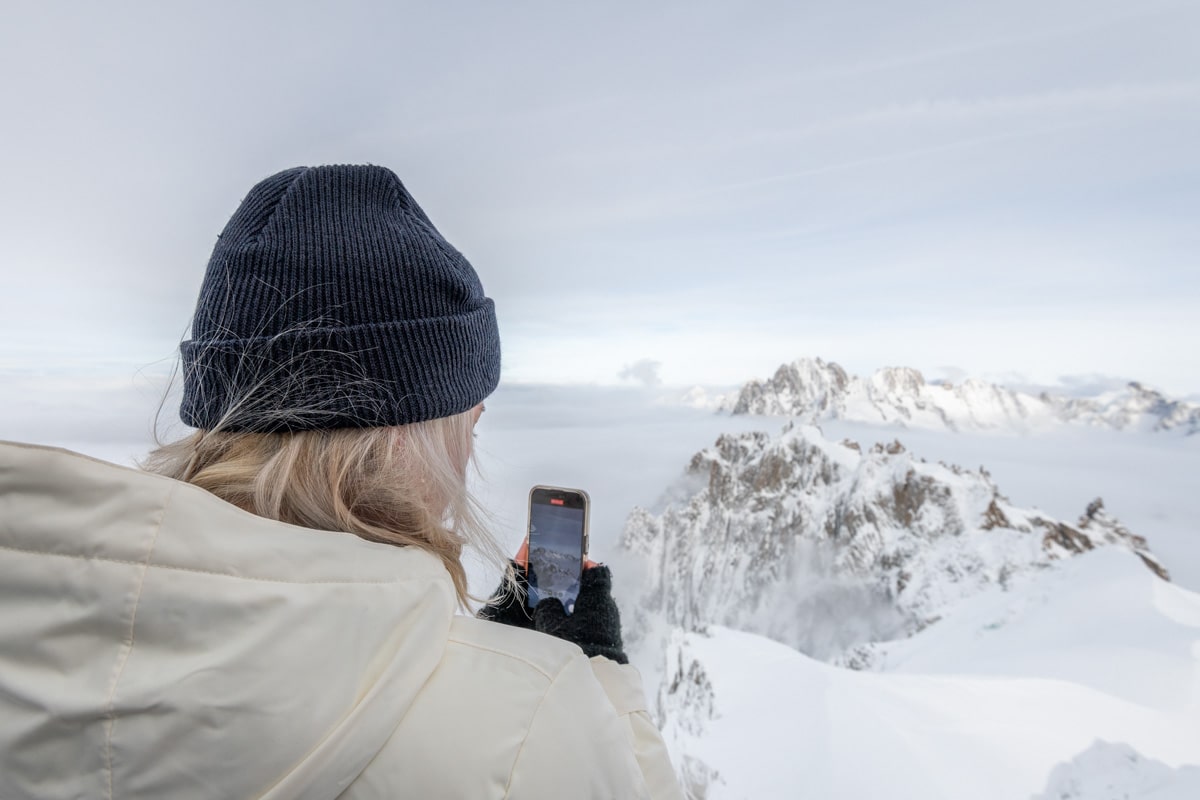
813,390
1083,682
824,546
841,620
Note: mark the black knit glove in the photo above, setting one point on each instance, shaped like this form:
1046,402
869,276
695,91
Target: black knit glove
595,624
506,606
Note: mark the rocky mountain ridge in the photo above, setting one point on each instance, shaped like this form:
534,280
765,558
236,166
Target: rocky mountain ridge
825,546
811,390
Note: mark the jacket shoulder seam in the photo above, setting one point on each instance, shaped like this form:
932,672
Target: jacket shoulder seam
507,654
525,739
127,646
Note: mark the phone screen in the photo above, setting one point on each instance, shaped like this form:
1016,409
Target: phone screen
557,543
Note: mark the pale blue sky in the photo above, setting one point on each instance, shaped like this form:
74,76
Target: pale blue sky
1004,188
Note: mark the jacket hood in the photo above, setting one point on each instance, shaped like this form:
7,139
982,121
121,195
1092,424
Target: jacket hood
156,641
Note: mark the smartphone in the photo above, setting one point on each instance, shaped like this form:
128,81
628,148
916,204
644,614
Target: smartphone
558,544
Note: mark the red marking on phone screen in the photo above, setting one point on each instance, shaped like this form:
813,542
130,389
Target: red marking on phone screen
554,501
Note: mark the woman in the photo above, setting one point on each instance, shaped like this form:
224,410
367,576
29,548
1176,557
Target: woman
272,614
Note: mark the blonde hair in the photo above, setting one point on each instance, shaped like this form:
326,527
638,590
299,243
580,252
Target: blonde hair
403,485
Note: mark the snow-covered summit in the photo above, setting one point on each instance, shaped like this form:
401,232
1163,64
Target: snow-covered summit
823,546
814,390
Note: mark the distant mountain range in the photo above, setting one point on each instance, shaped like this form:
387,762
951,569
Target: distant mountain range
812,390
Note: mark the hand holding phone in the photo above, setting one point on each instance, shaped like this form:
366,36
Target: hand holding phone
584,613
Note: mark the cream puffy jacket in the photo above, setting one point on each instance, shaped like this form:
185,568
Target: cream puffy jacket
157,642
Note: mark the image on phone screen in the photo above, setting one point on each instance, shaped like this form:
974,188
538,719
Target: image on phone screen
555,553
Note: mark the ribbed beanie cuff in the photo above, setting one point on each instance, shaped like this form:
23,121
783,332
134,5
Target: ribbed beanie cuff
331,301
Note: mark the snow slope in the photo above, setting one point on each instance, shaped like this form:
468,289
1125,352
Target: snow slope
749,717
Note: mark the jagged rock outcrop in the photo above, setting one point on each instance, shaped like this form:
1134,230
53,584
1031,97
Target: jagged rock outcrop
823,546
1136,407
812,390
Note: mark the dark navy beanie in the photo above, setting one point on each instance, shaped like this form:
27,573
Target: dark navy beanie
331,301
